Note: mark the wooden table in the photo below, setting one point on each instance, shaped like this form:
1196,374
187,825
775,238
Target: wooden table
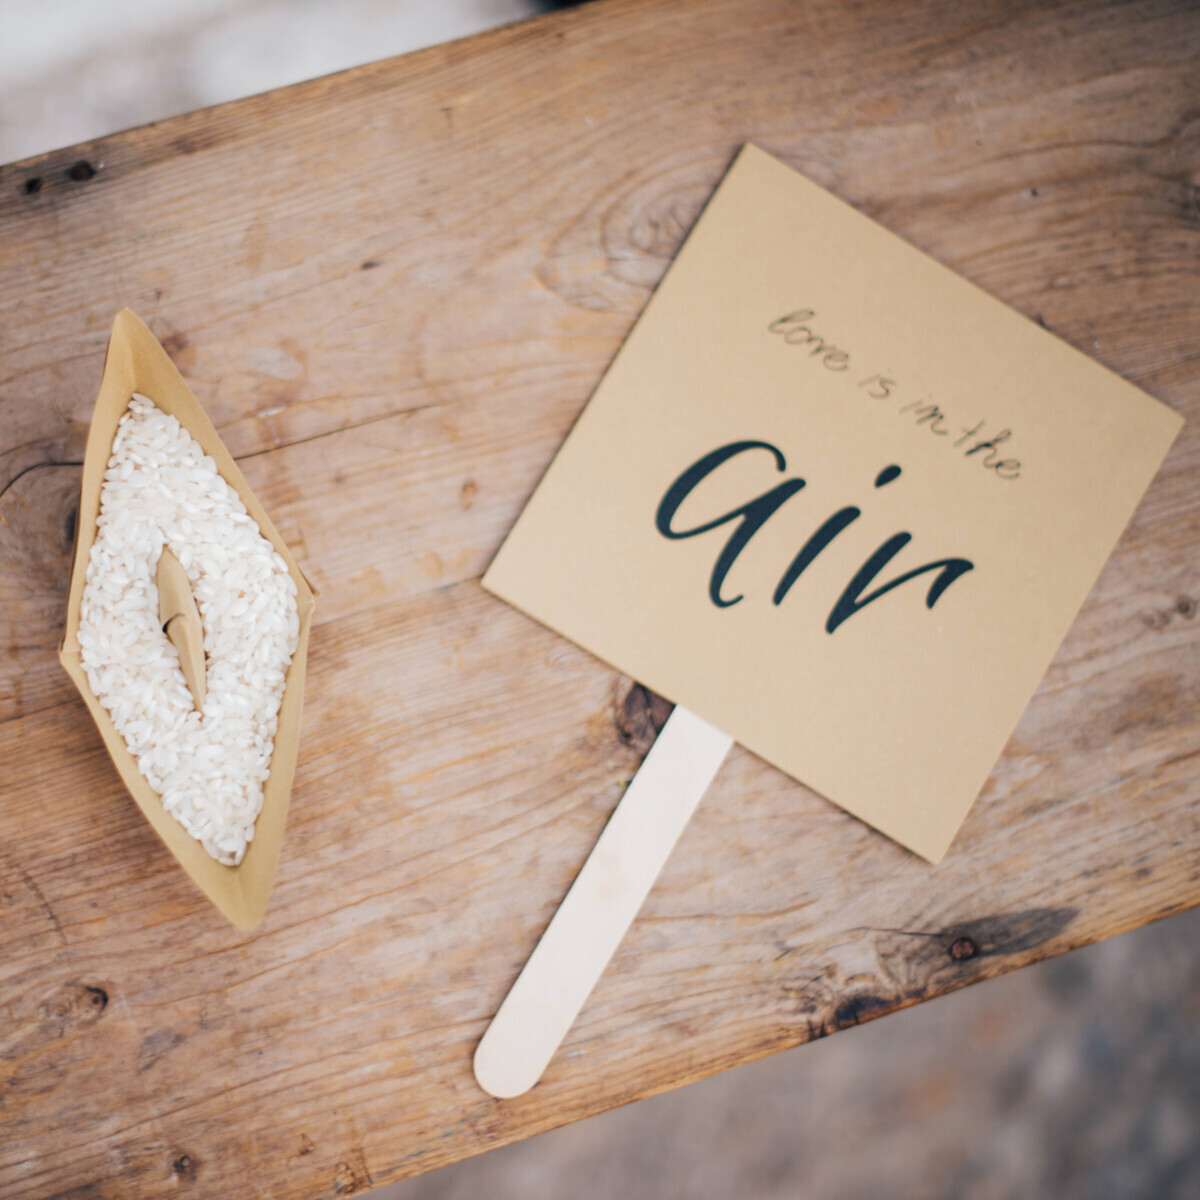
393,290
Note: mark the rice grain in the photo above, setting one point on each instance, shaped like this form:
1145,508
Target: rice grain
161,490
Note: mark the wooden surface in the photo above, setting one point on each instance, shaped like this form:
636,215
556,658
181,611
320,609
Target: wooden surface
393,290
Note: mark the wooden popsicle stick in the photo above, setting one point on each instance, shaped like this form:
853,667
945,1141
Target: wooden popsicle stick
601,905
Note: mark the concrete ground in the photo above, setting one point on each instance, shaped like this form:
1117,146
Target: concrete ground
1075,1080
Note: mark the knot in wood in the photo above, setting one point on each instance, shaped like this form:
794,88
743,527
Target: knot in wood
641,716
184,1166
963,948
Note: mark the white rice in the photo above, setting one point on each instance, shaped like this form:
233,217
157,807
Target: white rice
161,489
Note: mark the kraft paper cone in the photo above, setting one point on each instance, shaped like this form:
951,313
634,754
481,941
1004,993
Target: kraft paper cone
137,363
180,617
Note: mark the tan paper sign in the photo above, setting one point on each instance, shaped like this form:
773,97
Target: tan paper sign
837,501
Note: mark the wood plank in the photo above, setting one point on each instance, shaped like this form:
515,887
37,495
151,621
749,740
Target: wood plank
519,195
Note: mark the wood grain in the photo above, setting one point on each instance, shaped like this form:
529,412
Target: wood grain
393,290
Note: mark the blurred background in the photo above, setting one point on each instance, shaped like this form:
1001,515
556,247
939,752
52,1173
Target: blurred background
1078,1079
77,69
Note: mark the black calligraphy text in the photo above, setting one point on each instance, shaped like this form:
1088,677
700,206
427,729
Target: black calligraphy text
748,518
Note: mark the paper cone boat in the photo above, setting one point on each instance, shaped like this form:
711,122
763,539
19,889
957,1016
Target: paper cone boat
137,363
